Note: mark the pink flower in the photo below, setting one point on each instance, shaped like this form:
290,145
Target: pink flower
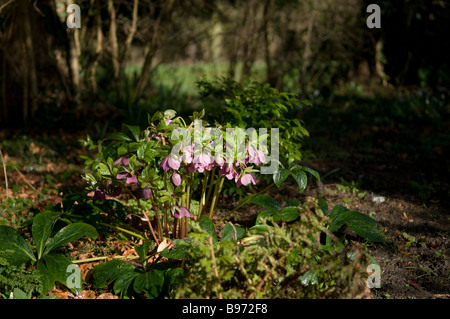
188,152
130,179
245,180
256,157
122,160
228,172
146,193
203,162
169,162
100,194
180,211
176,179
167,121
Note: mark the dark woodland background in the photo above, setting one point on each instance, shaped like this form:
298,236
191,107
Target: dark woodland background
51,75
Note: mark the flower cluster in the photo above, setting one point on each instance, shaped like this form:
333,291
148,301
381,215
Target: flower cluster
204,163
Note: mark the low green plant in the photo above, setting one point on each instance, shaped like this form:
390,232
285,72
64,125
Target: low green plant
14,279
152,280
339,218
147,167
269,261
252,104
50,265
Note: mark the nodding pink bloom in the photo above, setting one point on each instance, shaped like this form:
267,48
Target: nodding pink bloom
169,162
114,192
100,194
203,159
188,152
180,212
122,160
168,121
176,179
190,168
245,180
228,171
146,193
257,157
130,179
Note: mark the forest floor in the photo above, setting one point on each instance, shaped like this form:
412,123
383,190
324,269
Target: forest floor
389,166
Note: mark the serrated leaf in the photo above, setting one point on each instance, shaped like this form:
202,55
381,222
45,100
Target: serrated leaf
301,179
338,209
53,268
119,136
312,172
259,228
174,253
287,214
103,169
266,214
135,131
363,225
142,250
207,225
280,176
231,231
107,273
151,283
42,228
13,247
70,233
323,205
265,201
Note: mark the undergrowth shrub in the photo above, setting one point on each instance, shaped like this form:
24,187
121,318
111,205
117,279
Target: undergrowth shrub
18,277
279,261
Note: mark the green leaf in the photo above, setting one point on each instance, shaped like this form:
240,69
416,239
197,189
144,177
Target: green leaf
156,117
70,233
119,136
150,282
301,179
135,130
42,228
177,252
103,169
233,232
20,294
260,228
142,250
265,201
323,205
338,209
13,247
280,175
207,225
123,282
312,172
266,214
361,224
53,268
287,214
57,265
105,274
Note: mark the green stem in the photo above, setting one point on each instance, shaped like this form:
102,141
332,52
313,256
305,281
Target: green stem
210,186
87,260
129,232
217,189
244,201
202,196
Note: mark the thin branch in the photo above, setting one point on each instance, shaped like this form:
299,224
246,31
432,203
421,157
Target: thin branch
5,5
4,169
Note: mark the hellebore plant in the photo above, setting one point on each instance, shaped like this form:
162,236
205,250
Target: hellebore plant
170,163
